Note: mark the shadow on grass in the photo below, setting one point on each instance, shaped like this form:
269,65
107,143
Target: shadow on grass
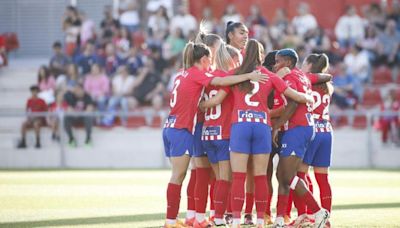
156,216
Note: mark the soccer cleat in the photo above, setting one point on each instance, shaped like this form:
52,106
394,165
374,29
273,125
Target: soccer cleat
175,225
286,218
268,219
328,224
38,145
211,219
248,219
229,219
301,222
203,224
279,223
182,224
189,221
72,143
321,217
21,144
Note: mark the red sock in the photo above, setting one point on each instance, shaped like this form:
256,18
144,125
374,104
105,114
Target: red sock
173,200
237,193
311,203
249,203
213,186
269,199
310,187
190,191
229,203
325,190
289,203
221,197
298,202
260,194
201,189
282,205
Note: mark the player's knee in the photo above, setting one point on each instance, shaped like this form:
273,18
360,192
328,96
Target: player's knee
178,177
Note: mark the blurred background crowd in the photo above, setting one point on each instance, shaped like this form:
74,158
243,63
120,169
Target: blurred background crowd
130,62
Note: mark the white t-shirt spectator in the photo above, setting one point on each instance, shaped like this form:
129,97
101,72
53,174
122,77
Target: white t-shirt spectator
357,64
304,23
185,22
129,18
87,31
349,27
122,85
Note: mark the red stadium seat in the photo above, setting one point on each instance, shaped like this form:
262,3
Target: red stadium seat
398,79
396,93
156,123
136,121
381,76
371,97
360,122
341,121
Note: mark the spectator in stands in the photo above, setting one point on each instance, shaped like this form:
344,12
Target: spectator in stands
78,101
371,44
346,89
349,28
395,13
304,21
231,14
388,120
149,87
184,21
278,27
34,104
108,25
209,22
47,84
130,15
111,61
59,60
71,28
290,39
88,29
70,79
255,18
375,16
57,107
123,85
85,60
158,23
390,40
134,61
3,53
97,85
122,43
357,64
318,42
174,44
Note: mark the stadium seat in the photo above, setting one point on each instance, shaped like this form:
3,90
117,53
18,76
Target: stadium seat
360,122
397,93
136,121
371,97
382,76
340,121
398,79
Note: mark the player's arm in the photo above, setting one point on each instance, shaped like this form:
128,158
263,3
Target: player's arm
213,101
235,79
270,101
275,113
297,96
319,78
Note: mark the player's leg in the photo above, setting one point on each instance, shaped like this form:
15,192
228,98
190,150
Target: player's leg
191,208
240,145
213,186
248,211
37,124
224,181
178,144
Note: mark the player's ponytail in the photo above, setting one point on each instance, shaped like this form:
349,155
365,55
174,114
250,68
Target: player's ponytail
188,55
205,37
251,60
319,63
224,56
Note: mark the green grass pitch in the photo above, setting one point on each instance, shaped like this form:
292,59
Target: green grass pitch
136,198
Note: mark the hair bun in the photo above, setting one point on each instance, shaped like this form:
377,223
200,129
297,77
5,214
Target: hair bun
229,23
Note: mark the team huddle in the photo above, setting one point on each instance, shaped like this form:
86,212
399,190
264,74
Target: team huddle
233,108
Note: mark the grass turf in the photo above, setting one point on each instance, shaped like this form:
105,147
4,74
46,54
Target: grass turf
136,198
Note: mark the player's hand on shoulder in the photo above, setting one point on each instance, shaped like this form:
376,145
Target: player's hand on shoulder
283,72
257,76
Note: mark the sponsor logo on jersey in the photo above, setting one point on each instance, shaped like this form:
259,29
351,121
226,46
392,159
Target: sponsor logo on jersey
252,114
212,133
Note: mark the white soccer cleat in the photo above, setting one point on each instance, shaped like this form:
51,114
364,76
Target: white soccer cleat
321,217
301,222
279,223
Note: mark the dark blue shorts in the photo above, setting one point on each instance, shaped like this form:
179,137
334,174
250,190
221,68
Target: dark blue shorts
177,142
217,150
250,138
295,141
198,150
319,153
276,150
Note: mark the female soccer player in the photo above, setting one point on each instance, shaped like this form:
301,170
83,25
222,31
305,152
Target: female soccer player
294,142
318,154
216,131
250,132
179,126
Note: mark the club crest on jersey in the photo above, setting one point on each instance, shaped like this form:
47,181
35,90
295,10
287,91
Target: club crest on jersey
170,121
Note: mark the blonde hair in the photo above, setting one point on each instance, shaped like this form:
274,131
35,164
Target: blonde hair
224,56
205,37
